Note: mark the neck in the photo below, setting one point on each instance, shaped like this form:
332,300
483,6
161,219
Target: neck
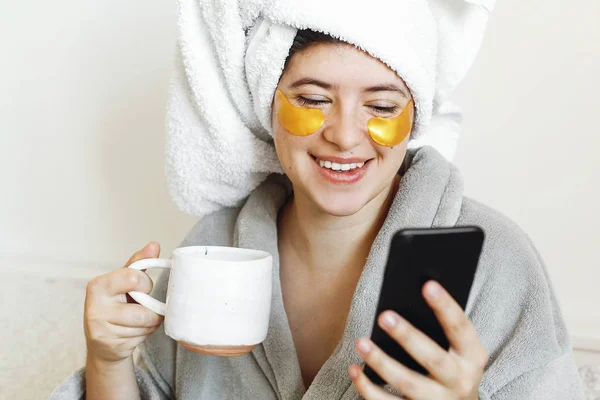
324,243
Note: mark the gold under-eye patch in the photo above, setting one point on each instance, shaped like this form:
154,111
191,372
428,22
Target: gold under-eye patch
392,131
301,121
298,121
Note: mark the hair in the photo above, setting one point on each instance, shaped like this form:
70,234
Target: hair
306,38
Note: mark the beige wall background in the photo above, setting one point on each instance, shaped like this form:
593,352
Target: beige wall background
82,99
83,86
531,140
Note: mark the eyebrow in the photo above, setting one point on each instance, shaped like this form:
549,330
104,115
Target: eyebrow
390,87
311,81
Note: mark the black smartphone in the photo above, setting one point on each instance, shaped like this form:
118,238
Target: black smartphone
446,255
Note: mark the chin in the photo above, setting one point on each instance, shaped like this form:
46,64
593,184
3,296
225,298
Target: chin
340,205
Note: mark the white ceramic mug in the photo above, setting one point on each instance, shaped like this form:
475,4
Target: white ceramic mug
218,298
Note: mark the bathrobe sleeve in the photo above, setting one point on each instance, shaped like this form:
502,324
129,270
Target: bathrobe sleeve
518,318
558,379
73,388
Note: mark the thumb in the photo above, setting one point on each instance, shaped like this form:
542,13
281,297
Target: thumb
151,250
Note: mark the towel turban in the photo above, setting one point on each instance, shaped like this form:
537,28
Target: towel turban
231,54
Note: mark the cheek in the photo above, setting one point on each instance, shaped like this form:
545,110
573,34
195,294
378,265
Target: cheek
393,156
285,146
287,143
280,145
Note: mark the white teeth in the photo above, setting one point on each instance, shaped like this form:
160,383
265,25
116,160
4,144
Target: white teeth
340,167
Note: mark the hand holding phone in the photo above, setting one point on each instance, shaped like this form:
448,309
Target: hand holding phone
446,255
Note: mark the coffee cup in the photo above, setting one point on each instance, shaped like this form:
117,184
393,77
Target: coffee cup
218,298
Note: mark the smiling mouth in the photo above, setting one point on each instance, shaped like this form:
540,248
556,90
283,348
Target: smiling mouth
339,166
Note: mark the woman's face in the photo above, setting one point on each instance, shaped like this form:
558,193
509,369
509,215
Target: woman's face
350,87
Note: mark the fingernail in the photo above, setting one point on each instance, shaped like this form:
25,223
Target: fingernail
364,346
434,290
389,320
353,373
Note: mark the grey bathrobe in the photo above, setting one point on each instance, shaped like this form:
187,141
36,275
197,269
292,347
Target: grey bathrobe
512,305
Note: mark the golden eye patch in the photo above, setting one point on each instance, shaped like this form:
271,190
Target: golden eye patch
298,121
302,121
392,131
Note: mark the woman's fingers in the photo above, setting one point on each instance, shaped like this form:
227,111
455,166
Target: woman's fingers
113,328
367,389
401,378
118,282
458,374
421,347
459,330
151,250
132,332
134,315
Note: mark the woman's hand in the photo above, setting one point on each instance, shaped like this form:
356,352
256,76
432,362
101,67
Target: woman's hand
453,374
114,328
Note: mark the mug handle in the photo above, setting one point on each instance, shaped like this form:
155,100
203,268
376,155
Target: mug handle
147,301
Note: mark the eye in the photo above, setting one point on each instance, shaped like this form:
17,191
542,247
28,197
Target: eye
385,111
310,102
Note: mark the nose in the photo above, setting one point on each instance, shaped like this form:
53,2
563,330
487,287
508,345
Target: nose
344,128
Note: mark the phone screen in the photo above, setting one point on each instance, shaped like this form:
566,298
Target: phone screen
446,255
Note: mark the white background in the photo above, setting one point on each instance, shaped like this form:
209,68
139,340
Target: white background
83,86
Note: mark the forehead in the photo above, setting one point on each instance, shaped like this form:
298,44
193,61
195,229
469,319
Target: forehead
339,64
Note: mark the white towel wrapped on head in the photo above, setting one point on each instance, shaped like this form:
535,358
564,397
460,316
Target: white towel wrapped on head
231,54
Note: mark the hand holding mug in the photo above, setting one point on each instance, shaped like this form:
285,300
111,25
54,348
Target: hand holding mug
113,328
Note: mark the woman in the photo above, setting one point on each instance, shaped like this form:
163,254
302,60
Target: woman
328,222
